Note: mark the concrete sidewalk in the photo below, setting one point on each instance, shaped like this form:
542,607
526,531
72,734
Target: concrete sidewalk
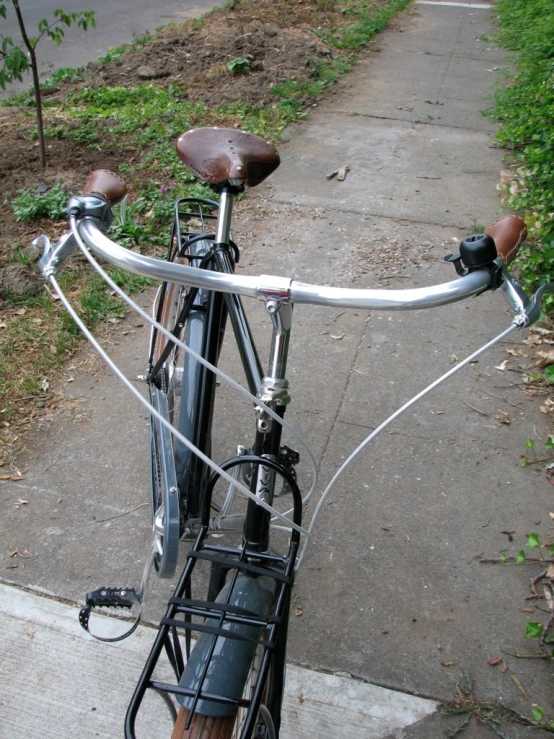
391,591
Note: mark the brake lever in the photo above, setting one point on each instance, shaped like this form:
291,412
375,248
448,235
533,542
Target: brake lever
534,308
527,310
53,255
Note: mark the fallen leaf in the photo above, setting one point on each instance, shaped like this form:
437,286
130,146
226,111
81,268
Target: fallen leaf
301,698
504,668
551,514
60,500
550,571
21,501
447,663
502,366
503,418
527,610
13,566
298,611
20,312
546,358
12,554
337,336
520,687
493,661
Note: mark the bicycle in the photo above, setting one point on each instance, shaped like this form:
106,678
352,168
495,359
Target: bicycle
231,681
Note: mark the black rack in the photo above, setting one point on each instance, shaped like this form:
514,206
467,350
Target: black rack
265,633
177,624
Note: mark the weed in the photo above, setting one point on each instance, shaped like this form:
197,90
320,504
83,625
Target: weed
29,204
116,52
524,107
491,715
240,65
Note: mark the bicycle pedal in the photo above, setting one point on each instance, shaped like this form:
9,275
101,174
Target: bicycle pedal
125,598
112,598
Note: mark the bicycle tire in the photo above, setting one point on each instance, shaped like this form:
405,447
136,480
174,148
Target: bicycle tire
220,722
177,475
222,727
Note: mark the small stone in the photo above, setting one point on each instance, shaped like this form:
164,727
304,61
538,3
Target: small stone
146,73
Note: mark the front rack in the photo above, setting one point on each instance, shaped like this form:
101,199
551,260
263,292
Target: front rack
245,631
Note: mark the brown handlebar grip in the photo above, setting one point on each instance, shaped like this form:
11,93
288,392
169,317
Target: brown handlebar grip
509,233
107,184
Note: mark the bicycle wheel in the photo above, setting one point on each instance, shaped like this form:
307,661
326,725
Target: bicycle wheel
230,727
182,391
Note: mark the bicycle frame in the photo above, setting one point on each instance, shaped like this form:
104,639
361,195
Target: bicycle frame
253,564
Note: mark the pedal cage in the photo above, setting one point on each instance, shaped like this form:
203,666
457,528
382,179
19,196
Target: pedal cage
185,616
109,598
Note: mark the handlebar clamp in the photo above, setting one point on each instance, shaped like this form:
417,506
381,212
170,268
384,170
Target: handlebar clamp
91,206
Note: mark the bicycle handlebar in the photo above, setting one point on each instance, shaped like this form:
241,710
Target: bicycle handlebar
274,287
90,216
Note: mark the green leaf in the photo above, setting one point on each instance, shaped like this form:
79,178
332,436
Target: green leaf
503,557
533,541
520,557
530,443
537,713
3,11
533,630
549,443
549,373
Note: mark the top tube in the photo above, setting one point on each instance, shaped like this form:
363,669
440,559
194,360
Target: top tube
268,286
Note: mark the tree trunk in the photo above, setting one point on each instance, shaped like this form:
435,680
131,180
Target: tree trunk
36,83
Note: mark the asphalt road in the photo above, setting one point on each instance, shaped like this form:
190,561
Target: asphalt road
117,22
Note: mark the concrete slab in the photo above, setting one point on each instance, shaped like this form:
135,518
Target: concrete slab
443,31
398,170
57,680
396,552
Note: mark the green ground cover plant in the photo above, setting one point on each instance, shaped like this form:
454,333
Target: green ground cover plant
525,108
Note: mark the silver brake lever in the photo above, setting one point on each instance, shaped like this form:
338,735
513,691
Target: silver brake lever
534,306
53,255
527,310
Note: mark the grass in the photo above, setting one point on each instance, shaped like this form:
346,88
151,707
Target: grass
525,109
38,337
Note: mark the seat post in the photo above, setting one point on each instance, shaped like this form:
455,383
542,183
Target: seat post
223,230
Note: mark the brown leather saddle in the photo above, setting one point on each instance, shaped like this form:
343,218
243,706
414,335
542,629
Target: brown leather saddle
218,155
